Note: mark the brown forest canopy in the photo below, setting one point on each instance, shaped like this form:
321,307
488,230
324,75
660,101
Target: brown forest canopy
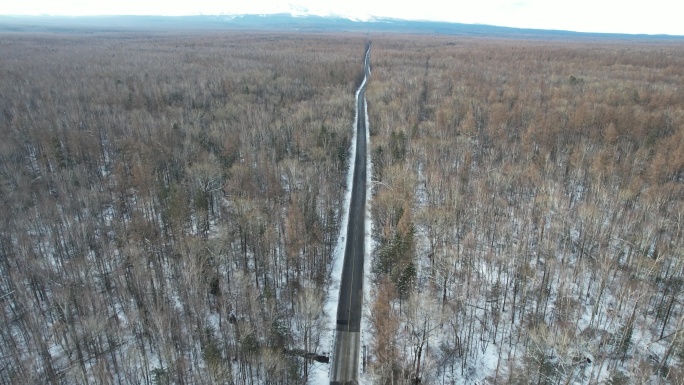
169,203
531,195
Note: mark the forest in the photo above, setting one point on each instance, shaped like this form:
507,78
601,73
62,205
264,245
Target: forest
170,205
527,211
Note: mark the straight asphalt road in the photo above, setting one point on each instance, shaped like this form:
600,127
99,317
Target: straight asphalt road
345,359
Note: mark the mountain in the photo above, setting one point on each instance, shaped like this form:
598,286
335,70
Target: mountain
292,22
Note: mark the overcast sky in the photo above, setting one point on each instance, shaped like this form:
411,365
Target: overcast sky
622,16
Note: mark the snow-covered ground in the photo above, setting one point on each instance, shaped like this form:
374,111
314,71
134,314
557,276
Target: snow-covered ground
366,330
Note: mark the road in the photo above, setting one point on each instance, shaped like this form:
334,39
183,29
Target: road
345,359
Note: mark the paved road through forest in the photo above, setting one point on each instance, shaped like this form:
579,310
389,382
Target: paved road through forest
345,359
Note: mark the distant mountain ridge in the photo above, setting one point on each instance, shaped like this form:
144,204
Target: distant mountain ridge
294,22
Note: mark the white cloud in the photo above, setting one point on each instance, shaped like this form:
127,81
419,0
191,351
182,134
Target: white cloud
654,16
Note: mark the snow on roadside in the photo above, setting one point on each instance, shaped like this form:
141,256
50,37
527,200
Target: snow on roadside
321,372
366,330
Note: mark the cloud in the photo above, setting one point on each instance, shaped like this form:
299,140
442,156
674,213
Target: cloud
654,16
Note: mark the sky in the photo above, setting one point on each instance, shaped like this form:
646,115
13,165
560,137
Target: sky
618,16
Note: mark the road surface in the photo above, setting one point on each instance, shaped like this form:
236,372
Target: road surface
345,358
